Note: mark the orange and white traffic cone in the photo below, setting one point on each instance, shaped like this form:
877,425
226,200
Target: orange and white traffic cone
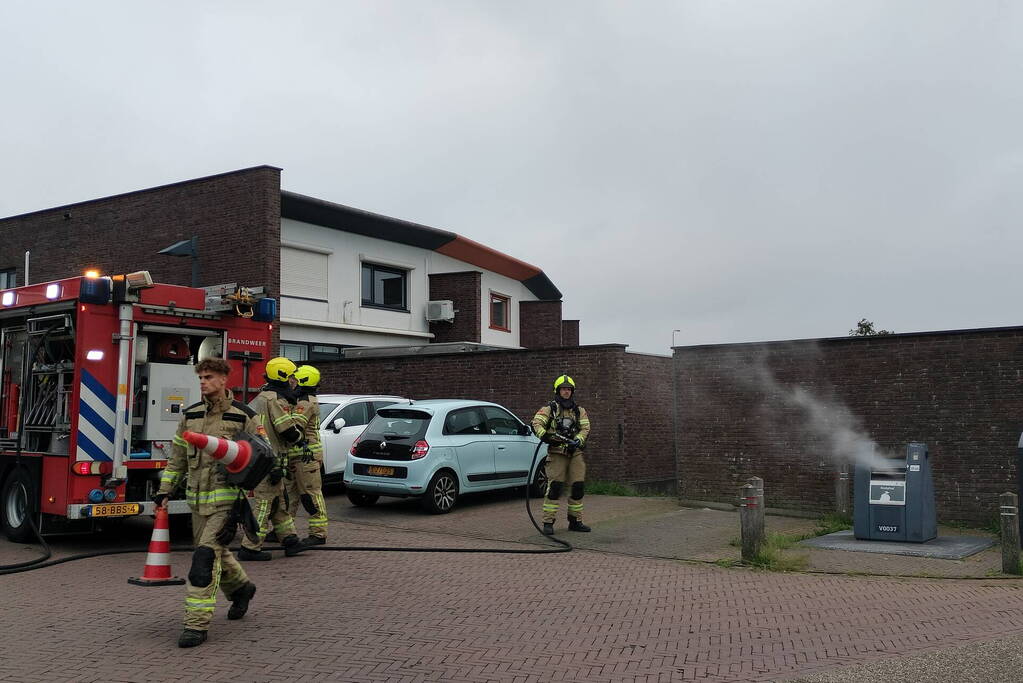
234,455
157,571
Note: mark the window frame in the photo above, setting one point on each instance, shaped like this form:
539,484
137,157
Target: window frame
507,416
10,278
394,270
506,299
485,429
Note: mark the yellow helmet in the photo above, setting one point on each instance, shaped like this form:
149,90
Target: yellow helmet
307,376
279,369
564,381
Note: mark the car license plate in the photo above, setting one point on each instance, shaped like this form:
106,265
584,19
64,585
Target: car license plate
381,471
116,509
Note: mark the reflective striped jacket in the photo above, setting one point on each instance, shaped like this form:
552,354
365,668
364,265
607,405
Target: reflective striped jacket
207,489
543,422
307,413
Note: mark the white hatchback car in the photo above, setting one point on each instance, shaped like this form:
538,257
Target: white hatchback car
337,438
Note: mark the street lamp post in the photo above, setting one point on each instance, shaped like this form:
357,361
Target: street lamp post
186,248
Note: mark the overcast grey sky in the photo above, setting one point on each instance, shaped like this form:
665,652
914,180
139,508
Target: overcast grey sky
740,171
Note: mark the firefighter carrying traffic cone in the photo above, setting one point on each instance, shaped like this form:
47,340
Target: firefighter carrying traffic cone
211,498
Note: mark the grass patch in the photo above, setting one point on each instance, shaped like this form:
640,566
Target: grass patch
609,488
832,522
772,559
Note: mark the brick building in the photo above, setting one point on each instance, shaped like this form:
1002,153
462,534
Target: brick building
345,277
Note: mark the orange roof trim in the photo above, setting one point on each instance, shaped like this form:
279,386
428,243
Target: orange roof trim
465,249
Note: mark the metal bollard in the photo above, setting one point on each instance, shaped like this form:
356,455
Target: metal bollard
1009,512
751,518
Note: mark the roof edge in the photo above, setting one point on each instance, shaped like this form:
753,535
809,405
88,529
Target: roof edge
141,191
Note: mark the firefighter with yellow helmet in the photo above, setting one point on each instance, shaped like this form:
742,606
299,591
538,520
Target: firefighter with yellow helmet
304,484
564,426
273,406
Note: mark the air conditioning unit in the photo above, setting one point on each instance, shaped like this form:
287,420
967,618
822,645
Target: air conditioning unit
440,311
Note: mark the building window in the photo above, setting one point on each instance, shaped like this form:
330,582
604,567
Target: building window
8,278
305,352
295,352
500,312
303,274
384,287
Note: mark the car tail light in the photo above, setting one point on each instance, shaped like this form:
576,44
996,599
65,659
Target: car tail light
355,445
420,450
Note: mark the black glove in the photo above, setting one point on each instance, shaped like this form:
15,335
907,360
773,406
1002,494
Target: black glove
275,476
160,499
307,454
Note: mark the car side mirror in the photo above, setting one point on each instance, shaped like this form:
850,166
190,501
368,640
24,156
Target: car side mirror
337,424
526,430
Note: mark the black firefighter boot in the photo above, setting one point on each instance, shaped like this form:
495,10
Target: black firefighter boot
191,637
240,600
247,555
292,546
548,528
577,525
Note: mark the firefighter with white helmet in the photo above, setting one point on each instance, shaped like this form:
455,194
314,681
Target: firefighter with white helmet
564,426
305,484
211,498
273,405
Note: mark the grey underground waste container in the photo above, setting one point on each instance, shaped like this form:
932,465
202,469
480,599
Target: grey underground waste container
894,499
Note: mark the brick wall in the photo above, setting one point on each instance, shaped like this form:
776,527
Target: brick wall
540,324
465,290
959,392
648,430
522,381
570,333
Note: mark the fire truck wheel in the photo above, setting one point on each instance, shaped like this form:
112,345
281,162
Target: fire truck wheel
17,505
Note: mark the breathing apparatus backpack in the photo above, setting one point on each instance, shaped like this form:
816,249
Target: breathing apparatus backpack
565,426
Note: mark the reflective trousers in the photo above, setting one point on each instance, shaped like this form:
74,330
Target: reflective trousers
228,574
304,480
271,511
567,469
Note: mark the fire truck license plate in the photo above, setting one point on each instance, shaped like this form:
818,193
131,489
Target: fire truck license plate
115,509
381,471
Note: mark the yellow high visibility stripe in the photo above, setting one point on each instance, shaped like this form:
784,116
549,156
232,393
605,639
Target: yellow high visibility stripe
284,418
180,442
214,496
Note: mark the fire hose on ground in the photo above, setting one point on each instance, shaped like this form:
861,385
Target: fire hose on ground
562,547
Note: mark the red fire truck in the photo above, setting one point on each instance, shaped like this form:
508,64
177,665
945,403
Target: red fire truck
96,373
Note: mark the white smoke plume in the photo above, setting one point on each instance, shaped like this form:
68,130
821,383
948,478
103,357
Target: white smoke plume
829,420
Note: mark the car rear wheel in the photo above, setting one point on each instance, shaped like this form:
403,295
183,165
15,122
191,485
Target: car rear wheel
538,489
441,494
18,506
362,499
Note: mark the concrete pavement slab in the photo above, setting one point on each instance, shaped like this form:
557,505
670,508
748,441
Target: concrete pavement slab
942,547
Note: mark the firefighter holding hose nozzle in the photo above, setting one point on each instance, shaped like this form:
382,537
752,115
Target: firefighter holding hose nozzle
564,426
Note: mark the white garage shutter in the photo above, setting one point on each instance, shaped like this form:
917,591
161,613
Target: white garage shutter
303,273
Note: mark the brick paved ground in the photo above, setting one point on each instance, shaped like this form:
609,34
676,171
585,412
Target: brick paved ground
584,616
